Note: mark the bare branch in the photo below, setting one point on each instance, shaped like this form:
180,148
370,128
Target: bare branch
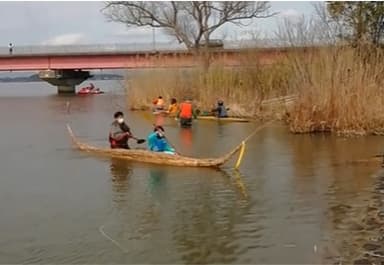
190,21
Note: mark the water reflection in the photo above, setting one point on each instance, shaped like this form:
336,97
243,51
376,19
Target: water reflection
356,226
205,225
186,137
201,215
159,119
342,192
240,183
157,182
137,216
120,173
221,129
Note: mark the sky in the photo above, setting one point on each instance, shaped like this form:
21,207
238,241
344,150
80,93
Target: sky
81,22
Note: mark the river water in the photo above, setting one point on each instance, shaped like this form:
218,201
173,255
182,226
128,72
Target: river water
294,199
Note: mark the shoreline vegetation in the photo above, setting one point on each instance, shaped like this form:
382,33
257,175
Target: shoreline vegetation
337,89
243,89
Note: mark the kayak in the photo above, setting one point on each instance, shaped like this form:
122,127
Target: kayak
86,91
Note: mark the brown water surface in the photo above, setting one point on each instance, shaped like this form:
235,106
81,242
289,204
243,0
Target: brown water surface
294,199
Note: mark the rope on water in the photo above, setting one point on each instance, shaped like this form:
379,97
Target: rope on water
242,144
240,155
68,105
240,184
111,239
257,130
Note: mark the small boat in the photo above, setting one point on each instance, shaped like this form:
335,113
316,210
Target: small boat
224,119
156,157
87,91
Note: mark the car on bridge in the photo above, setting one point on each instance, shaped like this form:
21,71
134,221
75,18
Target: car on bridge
215,43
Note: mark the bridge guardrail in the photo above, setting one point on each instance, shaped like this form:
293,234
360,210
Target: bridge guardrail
62,49
121,47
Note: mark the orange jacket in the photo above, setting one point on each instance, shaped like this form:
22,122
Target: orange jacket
185,110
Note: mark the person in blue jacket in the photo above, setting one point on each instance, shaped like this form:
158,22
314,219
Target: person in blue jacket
158,143
220,110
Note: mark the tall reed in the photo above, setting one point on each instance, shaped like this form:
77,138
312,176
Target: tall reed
340,89
242,88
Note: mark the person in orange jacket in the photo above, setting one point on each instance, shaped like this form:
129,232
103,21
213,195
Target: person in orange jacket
186,113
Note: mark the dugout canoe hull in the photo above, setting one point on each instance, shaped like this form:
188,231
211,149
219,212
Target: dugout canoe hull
204,117
227,119
208,118
146,156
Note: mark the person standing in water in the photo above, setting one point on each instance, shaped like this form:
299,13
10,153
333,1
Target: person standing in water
173,108
220,110
158,104
186,113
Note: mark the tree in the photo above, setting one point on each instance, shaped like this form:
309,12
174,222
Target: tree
360,20
191,22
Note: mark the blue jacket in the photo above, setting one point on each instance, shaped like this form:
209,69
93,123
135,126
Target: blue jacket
158,144
221,111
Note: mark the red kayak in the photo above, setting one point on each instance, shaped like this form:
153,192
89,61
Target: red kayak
87,91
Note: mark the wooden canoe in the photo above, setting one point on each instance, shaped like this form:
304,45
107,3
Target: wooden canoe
227,119
205,117
153,157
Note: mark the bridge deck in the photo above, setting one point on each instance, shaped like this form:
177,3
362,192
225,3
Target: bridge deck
118,57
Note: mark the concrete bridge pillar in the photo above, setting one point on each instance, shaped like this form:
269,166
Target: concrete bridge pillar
66,89
65,80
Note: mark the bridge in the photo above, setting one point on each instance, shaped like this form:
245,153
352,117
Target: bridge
68,66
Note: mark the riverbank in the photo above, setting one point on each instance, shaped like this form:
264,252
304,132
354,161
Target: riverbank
275,108
242,89
337,89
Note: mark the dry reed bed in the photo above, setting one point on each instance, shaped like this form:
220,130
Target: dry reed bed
337,89
243,89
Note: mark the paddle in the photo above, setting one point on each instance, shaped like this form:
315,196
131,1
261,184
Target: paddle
139,141
126,129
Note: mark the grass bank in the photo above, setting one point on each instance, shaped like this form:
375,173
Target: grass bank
337,89
242,89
